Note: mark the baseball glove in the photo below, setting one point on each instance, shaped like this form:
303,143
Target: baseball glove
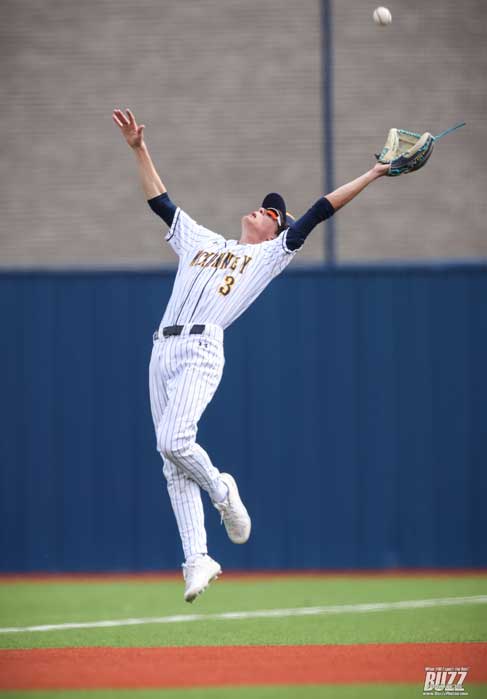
406,151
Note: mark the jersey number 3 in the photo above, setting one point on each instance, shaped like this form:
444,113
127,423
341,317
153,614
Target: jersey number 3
227,287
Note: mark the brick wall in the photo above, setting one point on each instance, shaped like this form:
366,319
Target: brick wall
426,71
230,92
230,95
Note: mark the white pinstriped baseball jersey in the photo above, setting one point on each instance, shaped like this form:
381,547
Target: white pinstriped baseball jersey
218,279
216,282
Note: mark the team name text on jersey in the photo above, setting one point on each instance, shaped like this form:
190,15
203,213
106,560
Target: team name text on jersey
220,260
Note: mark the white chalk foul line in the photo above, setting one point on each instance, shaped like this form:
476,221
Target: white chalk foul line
259,614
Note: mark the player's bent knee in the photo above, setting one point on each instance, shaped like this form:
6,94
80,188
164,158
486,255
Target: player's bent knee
177,453
174,446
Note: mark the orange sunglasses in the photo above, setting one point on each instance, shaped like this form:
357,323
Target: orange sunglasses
274,215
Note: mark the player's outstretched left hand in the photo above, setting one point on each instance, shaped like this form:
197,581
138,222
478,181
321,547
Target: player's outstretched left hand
133,134
381,169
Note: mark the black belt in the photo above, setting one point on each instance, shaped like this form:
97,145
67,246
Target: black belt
178,329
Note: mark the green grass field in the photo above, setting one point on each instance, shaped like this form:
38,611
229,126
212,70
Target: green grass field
26,604
29,603
372,691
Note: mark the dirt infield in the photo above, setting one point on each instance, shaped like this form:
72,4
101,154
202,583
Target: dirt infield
90,668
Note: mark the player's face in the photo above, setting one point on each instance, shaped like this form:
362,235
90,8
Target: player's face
258,226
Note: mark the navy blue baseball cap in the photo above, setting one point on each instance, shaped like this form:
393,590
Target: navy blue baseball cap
274,202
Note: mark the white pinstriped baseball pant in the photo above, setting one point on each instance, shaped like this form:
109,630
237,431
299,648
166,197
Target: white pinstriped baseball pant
184,373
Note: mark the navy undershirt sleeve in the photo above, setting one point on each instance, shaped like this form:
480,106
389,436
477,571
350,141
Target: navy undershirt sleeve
299,231
163,207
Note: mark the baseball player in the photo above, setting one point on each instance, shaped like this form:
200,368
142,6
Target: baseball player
216,281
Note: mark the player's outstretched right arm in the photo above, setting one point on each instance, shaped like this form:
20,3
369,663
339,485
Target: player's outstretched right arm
134,135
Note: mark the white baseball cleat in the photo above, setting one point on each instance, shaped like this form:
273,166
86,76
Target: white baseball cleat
234,515
198,574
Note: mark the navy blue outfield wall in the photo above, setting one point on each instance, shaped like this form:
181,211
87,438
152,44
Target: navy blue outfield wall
352,411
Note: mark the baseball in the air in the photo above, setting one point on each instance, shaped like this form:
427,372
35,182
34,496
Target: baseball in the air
382,16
